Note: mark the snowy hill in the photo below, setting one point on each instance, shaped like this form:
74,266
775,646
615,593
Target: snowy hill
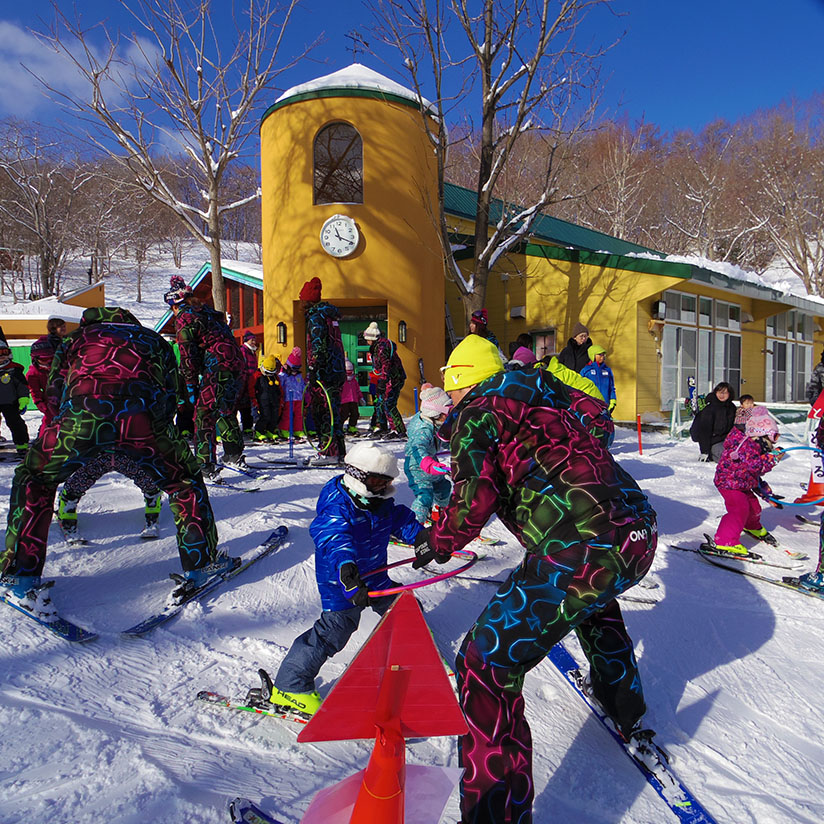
110,732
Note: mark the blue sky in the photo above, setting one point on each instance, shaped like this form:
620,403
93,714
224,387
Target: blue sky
679,65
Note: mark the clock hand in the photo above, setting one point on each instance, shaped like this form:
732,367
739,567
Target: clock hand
338,236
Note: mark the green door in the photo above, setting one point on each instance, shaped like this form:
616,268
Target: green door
357,351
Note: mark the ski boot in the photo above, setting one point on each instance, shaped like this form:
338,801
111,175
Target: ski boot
302,704
193,579
67,519
236,461
210,471
761,534
722,549
151,512
29,594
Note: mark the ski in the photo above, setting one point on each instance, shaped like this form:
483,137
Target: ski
59,626
648,756
808,521
150,533
272,543
236,487
277,711
248,472
786,582
752,557
243,811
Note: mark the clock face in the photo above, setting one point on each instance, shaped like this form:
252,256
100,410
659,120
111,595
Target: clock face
339,236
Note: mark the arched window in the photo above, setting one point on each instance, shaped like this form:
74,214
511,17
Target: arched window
338,159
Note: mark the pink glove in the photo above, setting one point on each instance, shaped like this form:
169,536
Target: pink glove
432,467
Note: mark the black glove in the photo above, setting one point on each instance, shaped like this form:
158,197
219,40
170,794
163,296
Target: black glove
353,585
424,553
311,376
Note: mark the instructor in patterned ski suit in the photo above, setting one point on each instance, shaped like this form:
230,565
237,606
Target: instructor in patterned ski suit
391,376
325,369
112,386
214,371
524,447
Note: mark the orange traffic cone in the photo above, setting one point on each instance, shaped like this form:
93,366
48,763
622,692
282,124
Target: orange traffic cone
814,493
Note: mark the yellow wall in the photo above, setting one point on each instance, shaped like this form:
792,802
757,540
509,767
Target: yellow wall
398,263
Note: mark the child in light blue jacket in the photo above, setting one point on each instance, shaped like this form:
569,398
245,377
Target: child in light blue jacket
428,478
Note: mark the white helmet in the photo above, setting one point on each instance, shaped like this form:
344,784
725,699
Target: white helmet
366,459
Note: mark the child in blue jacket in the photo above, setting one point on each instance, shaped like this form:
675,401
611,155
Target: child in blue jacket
428,478
355,519
601,375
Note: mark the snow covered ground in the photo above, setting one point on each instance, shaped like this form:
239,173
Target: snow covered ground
109,731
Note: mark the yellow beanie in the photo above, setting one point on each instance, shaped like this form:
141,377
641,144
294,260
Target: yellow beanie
473,360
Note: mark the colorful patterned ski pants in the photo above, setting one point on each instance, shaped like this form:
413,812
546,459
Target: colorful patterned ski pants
322,411
216,414
78,435
541,602
386,408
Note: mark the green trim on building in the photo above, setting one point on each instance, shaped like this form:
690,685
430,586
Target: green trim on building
649,266
317,94
463,202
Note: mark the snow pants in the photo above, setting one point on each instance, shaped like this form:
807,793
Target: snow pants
78,435
429,490
326,417
327,637
386,408
540,602
295,410
216,414
80,482
14,420
743,512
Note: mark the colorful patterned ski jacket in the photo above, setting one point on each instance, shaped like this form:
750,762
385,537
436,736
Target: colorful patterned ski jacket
522,448
112,357
743,462
324,349
345,532
206,345
386,364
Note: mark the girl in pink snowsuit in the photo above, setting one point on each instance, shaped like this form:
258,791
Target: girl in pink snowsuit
746,457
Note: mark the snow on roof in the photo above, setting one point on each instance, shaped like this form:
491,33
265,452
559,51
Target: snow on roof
44,308
356,76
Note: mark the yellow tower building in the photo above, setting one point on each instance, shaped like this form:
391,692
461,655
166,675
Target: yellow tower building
349,195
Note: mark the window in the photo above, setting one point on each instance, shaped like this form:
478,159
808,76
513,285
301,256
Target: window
338,165
544,343
789,356
710,355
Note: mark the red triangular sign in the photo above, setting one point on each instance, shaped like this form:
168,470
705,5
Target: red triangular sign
426,704
817,409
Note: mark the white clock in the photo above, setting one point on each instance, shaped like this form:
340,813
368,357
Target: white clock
339,236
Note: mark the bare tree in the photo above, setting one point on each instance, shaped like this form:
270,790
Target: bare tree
790,176
535,79
41,184
170,84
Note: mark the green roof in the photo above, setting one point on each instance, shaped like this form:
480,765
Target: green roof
463,203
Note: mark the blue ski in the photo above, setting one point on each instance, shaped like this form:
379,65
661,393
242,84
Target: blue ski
654,767
272,543
61,626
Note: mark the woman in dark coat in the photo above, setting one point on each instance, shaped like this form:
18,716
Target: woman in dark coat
575,354
712,424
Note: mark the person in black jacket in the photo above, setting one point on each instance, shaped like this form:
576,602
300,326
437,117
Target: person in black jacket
14,398
712,424
816,384
575,355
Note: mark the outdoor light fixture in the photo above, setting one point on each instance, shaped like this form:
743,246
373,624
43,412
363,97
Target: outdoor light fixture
281,327
402,331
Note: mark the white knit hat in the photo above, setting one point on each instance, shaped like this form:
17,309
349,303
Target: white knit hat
434,401
372,332
369,459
